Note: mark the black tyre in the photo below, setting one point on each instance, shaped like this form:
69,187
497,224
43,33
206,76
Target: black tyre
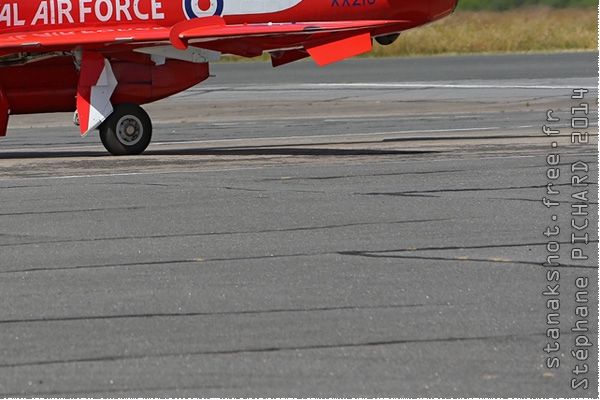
127,131
387,39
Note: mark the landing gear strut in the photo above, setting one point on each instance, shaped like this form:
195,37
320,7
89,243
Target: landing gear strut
127,131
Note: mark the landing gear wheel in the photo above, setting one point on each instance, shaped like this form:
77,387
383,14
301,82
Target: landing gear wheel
127,131
386,40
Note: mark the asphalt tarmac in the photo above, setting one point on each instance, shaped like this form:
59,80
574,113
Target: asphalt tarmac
374,228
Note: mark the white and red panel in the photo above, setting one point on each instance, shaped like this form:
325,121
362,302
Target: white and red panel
97,82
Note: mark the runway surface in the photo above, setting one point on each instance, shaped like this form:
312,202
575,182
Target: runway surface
374,228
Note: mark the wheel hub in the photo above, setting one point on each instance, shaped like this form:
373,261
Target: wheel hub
129,130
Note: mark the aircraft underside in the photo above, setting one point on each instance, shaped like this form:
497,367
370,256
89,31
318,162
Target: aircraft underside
105,59
26,89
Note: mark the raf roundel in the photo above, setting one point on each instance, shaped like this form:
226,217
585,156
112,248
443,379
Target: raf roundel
202,8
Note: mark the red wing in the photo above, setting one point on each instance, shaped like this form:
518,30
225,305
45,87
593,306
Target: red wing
326,41
67,39
211,28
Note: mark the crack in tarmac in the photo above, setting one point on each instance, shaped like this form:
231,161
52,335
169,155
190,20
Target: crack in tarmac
420,192
275,349
90,393
128,208
387,254
192,235
226,313
488,260
352,253
350,176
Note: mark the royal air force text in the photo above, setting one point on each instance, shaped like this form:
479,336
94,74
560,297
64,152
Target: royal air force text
57,12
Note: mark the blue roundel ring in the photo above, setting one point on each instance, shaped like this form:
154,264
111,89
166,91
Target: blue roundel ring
189,9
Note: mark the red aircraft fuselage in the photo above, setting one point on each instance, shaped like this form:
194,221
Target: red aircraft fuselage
44,43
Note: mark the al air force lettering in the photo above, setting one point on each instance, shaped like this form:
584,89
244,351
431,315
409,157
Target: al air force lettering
58,12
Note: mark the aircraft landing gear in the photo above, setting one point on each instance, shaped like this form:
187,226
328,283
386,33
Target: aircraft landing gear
127,131
386,40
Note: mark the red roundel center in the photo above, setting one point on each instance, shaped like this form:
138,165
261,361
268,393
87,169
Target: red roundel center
204,5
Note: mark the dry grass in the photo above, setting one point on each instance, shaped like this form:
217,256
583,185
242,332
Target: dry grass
522,30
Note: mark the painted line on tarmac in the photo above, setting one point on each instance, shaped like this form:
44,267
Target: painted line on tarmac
433,85
391,85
